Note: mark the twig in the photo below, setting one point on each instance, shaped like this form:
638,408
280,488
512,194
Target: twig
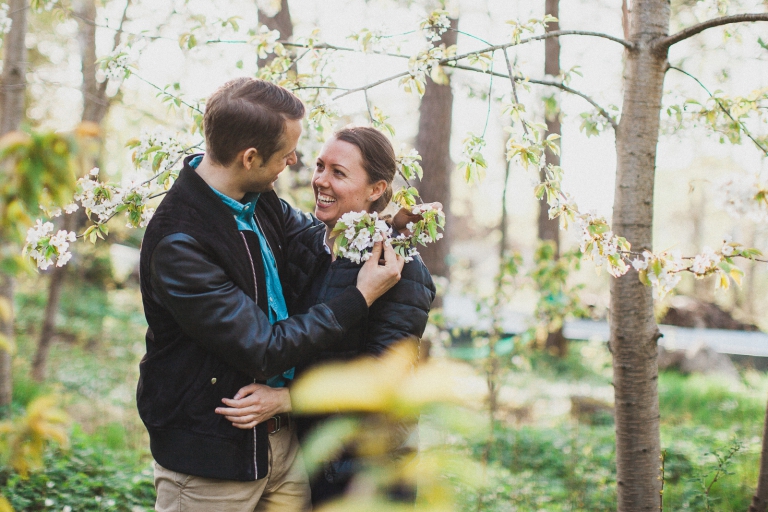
167,93
551,83
514,85
722,107
684,34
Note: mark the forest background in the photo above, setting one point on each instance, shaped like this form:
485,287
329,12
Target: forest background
537,456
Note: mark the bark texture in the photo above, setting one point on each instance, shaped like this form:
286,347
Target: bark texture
14,82
12,96
634,333
549,229
281,22
433,144
760,499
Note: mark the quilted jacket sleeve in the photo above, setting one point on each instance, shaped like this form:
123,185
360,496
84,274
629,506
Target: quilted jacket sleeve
402,312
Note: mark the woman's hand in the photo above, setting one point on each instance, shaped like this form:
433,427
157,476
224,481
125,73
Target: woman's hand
405,216
254,404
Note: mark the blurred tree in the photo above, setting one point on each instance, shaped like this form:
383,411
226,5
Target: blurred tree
12,89
433,144
549,229
95,108
279,20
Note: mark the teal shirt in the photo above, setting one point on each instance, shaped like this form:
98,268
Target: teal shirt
243,211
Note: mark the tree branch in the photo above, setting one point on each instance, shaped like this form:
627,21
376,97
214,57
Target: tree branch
550,83
725,110
665,43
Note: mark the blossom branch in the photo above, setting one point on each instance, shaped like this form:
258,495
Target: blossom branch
684,34
725,110
550,83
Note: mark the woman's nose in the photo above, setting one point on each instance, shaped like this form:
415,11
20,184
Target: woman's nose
320,179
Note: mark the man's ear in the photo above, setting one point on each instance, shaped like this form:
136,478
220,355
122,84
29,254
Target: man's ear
378,188
249,158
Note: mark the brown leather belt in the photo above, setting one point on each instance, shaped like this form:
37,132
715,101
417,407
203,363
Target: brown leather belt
279,422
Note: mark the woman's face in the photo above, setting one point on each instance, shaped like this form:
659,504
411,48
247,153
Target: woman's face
341,183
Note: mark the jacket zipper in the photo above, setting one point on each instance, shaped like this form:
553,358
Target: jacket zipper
256,299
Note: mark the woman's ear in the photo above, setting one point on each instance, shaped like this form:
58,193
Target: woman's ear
377,189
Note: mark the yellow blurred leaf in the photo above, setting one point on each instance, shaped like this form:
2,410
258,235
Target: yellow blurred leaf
7,344
5,506
6,310
88,129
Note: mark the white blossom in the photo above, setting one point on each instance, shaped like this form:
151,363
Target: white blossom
5,21
435,25
705,262
743,196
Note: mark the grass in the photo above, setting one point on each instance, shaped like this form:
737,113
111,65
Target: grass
557,466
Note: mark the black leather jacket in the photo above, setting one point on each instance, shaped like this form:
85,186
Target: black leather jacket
208,331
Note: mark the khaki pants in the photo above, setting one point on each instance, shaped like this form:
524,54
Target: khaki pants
284,489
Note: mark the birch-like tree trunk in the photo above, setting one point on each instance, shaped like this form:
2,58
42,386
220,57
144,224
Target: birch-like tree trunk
12,95
634,333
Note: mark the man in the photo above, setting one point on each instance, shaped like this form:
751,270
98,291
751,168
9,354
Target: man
210,264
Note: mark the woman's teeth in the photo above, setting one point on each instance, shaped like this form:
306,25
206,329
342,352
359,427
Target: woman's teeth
321,198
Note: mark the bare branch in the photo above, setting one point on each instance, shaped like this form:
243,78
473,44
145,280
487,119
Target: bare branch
372,85
665,43
550,83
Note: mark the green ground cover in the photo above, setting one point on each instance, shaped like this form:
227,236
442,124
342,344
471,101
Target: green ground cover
543,460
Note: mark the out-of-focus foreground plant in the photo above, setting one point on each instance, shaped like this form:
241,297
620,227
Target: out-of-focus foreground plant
375,398
24,438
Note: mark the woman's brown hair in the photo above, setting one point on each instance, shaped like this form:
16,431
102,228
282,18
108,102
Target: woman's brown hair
378,156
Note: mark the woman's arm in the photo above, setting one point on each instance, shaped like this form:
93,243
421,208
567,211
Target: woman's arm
401,313
254,404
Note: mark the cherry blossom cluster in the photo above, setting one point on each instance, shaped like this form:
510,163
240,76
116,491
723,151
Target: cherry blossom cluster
356,232
661,271
265,41
426,62
599,244
435,25
116,66
158,146
42,246
744,196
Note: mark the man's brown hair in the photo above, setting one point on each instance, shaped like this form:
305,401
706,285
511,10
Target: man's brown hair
248,113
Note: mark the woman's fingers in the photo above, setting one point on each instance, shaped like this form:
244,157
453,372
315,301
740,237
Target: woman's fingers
392,258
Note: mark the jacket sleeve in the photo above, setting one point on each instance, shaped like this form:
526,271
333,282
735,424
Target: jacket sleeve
403,311
296,221
219,316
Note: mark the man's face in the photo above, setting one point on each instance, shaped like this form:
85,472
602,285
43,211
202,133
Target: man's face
265,174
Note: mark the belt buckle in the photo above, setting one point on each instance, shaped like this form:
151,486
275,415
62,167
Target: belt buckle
278,424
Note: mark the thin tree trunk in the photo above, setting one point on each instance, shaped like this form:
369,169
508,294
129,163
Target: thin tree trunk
433,144
760,499
95,108
549,229
12,95
634,334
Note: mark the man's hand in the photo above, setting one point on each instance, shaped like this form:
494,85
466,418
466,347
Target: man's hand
375,278
405,216
254,404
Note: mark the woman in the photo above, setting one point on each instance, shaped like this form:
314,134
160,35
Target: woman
354,172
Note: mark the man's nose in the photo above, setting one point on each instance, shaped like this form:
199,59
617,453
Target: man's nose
292,159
